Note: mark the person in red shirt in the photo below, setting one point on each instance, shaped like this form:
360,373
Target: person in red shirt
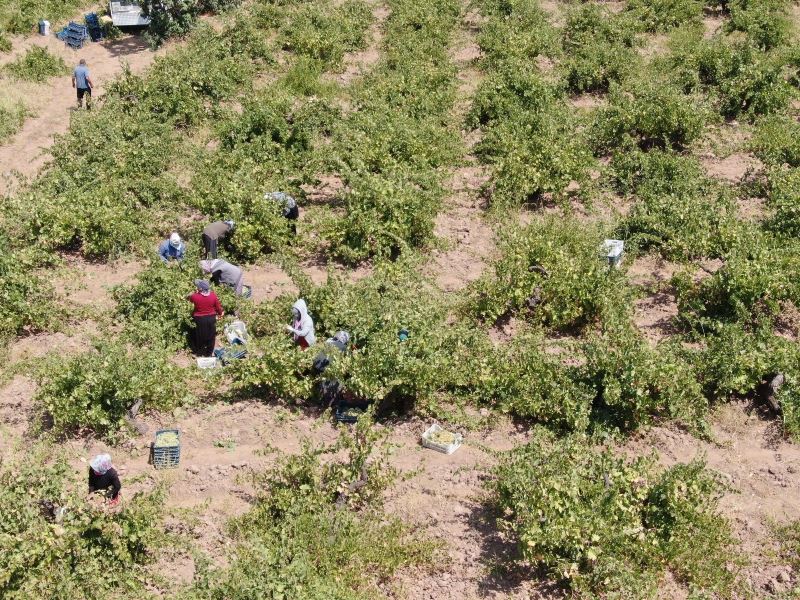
206,310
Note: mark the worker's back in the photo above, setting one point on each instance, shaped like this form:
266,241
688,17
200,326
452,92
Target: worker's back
216,229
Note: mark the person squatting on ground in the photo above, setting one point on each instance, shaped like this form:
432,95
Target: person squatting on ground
83,83
302,327
288,206
212,234
223,272
172,249
338,342
103,476
206,310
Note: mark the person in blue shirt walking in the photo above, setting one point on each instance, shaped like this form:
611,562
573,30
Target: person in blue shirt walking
83,83
172,249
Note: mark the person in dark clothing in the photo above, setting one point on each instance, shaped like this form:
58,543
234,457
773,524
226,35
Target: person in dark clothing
103,476
212,234
206,310
289,208
338,342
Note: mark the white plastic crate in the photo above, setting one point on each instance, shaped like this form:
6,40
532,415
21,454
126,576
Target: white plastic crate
206,362
612,251
444,448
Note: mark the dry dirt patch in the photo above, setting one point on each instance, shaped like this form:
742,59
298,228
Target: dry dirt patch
762,470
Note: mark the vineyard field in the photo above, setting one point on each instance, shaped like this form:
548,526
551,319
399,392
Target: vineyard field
629,426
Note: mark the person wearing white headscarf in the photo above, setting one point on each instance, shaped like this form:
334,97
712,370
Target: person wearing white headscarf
302,327
172,248
103,475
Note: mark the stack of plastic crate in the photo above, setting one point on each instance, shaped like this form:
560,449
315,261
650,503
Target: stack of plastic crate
73,35
93,25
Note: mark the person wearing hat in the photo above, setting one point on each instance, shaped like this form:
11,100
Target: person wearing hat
172,248
206,310
103,477
212,234
288,206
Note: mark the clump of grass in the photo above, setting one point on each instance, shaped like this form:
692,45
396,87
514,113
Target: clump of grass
37,65
12,115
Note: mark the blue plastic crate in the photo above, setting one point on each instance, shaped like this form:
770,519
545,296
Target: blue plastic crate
167,457
226,355
73,35
93,27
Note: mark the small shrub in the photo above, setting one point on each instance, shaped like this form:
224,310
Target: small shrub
37,64
171,18
753,89
521,378
651,115
517,31
678,209
635,383
529,137
94,390
315,529
784,198
661,15
610,526
27,299
550,272
22,16
759,272
776,141
325,33
120,544
789,401
788,536
766,22
737,359
12,116
599,49
154,309
386,214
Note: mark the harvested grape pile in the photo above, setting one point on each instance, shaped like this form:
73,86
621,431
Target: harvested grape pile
167,439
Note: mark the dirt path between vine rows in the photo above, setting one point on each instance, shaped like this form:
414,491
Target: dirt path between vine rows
53,103
468,237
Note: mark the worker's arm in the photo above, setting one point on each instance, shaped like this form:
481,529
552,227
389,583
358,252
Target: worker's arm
116,486
163,251
89,82
218,308
73,79
303,330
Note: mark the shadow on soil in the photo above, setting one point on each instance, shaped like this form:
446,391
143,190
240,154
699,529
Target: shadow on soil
506,572
130,44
